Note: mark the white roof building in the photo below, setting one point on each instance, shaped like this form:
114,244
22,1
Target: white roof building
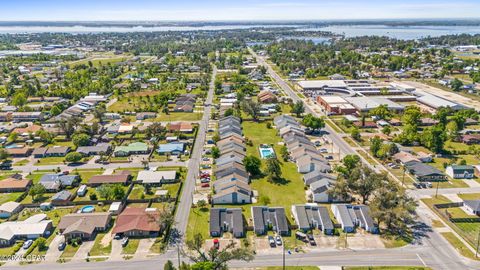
156,177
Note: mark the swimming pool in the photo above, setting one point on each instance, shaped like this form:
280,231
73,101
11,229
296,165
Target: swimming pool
266,152
88,209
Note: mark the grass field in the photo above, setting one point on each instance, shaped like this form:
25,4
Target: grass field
198,222
98,248
69,252
179,116
131,246
8,197
50,161
470,196
458,245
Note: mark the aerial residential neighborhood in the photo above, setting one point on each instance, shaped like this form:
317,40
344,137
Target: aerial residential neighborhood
227,135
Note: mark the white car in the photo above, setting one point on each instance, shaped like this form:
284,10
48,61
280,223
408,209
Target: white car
27,244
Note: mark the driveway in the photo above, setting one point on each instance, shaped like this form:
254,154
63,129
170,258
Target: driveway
116,254
53,253
144,248
19,254
82,252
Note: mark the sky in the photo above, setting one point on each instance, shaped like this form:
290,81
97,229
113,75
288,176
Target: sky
224,10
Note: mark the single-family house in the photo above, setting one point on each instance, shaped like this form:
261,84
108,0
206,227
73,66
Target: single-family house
84,225
472,206
14,185
136,148
265,218
32,228
424,172
99,149
10,208
175,148
98,180
157,178
57,151
460,171
226,220
138,222
64,180
182,127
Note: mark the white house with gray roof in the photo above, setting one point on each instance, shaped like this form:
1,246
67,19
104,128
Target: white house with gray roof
312,216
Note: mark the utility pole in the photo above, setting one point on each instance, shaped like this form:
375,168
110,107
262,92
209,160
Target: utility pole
283,255
436,191
478,244
178,254
403,177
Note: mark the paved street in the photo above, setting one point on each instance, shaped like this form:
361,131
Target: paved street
183,209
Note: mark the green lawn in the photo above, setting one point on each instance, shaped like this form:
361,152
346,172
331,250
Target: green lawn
8,197
138,192
69,252
131,246
179,116
292,190
198,222
98,249
11,250
51,161
458,245
172,188
22,162
470,196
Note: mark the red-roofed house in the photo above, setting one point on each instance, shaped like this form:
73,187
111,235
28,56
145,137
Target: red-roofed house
136,222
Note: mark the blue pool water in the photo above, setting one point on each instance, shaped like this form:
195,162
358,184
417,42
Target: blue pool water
267,152
11,146
88,209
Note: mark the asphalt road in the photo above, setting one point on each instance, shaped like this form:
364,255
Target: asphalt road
183,209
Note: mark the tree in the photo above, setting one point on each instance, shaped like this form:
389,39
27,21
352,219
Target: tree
349,163
19,99
168,266
313,122
393,208
355,133
81,139
284,153
298,108
73,157
456,84
213,259
36,190
375,145
264,200
215,152
451,130
69,125
433,138
340,190
118,192
363,182
273,170
202,204
41,243
105,192
252,165
3,154
411,116
252,108
381,112
45,136
387,130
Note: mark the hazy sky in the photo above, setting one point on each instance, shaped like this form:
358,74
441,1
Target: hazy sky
74,10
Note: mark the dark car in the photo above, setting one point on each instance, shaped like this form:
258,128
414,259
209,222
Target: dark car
311,239
62,246
271,241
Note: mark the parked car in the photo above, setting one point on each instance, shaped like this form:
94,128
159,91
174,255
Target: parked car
125,242
318,143
323,150
27,244
311,239
278,240
206,159
205,180
417,185
66,172
118,236
329,157
62,246
205,185
271,241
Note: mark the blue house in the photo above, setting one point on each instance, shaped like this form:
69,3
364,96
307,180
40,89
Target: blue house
171,148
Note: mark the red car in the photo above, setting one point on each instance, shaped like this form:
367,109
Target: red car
216,243
205,185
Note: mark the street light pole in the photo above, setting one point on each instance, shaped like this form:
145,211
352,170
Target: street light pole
436,191
283,255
